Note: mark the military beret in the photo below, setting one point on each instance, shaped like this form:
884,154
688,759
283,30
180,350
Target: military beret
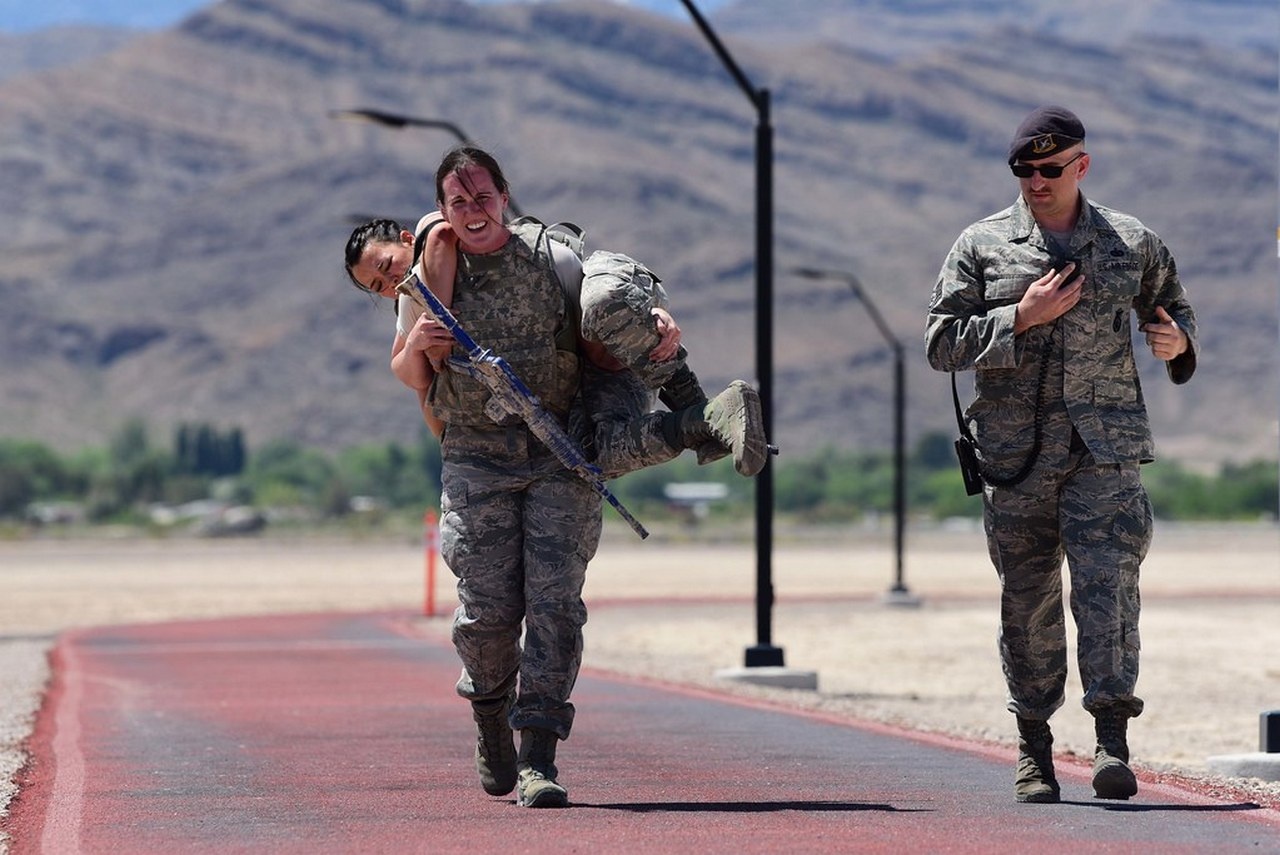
1045,132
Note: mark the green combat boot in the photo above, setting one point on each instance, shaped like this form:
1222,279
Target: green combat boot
1034,780
681,391
1112,777
733,418
495,746
537,785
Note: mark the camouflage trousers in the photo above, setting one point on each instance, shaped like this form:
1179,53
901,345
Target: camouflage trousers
1099,518
618,296
517,530
615,422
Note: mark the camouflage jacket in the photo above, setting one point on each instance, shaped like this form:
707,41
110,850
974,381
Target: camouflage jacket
1090,378
511,302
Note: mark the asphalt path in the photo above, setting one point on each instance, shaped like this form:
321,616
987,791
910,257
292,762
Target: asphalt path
341,733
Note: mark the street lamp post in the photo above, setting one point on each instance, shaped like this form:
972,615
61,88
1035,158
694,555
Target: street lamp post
399,122
898,593
764,653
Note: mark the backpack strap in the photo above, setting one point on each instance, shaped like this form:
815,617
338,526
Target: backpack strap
424,228
420,239
565,244
567,266
571,235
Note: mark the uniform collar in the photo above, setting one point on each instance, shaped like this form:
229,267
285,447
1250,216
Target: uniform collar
1023,226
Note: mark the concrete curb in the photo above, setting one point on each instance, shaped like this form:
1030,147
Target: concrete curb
1265,766
778,677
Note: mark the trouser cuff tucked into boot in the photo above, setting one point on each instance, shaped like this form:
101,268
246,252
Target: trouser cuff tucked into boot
495,745
1112,777
1034,780
537,786
682,389
682,392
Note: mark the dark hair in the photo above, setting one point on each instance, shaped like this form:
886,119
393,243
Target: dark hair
463,156
374,231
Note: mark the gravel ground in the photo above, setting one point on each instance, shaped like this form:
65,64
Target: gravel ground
681,609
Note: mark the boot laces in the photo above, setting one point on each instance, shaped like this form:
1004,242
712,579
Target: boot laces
1035,733
491,732
1111,730
495,735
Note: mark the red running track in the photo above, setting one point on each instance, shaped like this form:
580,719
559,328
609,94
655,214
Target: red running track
342,733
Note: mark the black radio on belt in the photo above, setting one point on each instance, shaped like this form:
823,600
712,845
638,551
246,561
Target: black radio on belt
969,470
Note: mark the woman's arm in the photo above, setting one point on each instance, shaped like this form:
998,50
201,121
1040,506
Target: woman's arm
437,268
415,371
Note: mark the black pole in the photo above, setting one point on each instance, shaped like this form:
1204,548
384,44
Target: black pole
899,588
764,653
899,467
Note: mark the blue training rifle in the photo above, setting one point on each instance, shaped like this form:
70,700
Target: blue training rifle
514,396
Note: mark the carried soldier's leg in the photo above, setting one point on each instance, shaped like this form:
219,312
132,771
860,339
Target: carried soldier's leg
617,301
613,418
732,419
623,435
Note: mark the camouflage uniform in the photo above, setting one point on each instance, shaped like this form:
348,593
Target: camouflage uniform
617,298
1083,500
616,424
517,528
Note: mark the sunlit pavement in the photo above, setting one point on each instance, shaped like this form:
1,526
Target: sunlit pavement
342,733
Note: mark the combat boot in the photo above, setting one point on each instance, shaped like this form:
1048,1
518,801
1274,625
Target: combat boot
537,785
495,745
682,391
1112,777
733,418
1034,780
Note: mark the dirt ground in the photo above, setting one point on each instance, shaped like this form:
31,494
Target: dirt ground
682,608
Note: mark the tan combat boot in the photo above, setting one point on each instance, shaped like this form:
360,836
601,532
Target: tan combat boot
682,391
537,785
733,419
1112,777
495,746
1034,780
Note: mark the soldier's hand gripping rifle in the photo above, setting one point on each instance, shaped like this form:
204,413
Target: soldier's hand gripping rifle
514,396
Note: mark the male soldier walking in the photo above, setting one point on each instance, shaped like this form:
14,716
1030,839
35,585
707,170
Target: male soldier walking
1037,299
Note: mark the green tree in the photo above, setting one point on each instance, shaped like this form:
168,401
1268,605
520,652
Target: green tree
30,471
130,444
933,452
828,486
184,448
203,449
134,473
406,478
235,456
283,472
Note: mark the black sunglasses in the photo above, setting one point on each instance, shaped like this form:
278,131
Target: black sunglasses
1026,170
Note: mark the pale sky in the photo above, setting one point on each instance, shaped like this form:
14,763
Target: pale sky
18,16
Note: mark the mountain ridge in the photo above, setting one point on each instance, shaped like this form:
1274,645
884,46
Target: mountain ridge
179,204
